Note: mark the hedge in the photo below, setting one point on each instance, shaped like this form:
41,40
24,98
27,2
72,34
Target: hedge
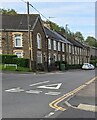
7,59
75,66
12,59
22,62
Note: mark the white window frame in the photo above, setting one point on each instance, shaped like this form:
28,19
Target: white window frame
63,57
39,52
69,48
63,47
49,44
19,52
59,46
55,57
39,40
20,40
54,45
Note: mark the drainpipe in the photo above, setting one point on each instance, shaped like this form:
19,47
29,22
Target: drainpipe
7,45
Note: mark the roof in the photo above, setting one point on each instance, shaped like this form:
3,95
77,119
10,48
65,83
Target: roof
18,21
54,35
75,42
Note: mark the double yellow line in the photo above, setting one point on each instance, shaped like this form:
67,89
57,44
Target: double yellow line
54,104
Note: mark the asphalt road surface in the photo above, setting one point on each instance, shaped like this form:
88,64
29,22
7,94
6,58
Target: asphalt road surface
28,95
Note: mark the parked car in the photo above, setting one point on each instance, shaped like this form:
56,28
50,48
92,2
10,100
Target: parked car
88,66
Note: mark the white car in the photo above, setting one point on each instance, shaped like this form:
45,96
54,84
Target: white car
88,66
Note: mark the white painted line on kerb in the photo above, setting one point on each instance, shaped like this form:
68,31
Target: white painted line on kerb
33,91
15,90
50,114
53,93
39,83
87,107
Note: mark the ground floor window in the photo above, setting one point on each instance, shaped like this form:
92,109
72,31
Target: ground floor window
19,54
55,57
63,57
39,57
49,58
59,57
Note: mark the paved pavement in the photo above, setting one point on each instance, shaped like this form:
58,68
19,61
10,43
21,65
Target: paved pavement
82,104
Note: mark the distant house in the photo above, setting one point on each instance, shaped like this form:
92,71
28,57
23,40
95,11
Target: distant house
93,52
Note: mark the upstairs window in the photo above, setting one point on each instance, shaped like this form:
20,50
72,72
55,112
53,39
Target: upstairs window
38,41
54,44
59,47
18,40
49,44
63,49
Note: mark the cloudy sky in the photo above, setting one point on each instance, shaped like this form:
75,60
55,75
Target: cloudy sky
80,16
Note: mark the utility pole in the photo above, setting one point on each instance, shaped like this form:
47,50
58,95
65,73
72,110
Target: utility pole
29,41
66,30
66,47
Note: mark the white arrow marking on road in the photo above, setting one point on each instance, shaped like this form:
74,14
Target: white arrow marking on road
53,93
15,90
39,83
33,91
52,86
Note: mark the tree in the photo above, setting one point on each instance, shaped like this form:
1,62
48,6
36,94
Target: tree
8,11
91,41
78,36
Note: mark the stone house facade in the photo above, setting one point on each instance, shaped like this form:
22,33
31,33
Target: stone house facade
47,46
14,37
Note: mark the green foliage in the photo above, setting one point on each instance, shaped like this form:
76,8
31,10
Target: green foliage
94,62
22,62
13,68
91,41
7,59
78,35
12,59
75,66
8,11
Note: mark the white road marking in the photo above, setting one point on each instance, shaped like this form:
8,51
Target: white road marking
33,91
50,114
53,93
39,83
87,107
15,90
52,86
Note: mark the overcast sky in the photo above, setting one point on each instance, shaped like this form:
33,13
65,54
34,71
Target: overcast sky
80,16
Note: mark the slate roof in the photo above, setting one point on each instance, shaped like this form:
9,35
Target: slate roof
18,21
54,35
75,42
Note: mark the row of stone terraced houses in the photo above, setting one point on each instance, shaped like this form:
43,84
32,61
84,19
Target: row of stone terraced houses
47,46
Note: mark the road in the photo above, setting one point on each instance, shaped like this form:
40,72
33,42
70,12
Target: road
28,95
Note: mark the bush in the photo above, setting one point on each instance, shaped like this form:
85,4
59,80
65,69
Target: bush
94,62
7,59
40,67
75,66
12,59
22,62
